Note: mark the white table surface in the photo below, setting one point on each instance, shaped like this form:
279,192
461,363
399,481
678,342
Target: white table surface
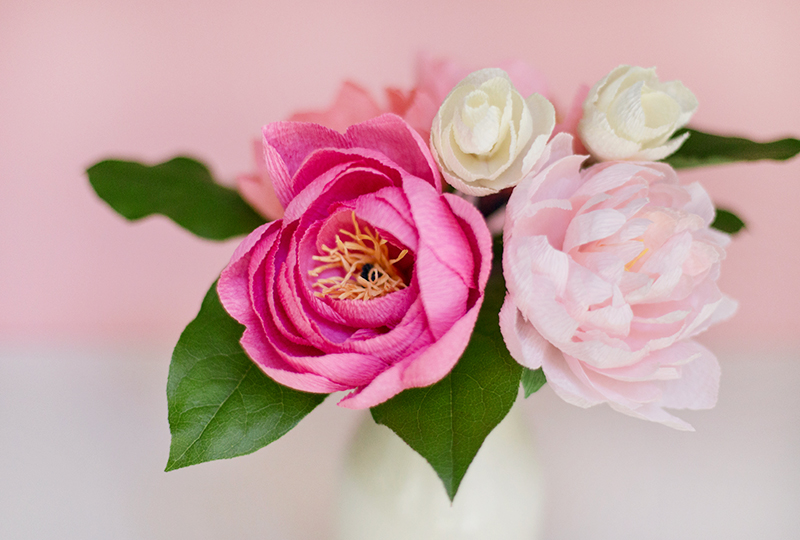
84,440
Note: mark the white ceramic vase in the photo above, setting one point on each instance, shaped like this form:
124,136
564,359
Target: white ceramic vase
389,492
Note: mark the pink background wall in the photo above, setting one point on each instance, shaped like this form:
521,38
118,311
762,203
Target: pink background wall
84,80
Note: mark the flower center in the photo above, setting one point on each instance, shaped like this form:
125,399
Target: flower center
368,272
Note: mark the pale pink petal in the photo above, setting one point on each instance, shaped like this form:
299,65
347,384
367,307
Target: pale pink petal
526,79
592,226
525,344
567,385
701,203
626,394
420,112
257,189
353,104
569,124
653,413
698,385
436,77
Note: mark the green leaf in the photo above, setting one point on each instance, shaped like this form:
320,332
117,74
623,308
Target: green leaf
181,189
706,149
532,380
446,423
221,405
488,322
727,221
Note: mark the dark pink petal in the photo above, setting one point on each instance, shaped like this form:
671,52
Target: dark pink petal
394,138
437,360
305,382
388,211
429,367
398,343
477,234
445,264
287,145
233,285
336,186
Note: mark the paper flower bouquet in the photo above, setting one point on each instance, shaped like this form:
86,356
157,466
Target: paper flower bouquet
426,258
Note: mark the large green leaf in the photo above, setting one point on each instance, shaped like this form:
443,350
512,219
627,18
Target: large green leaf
707,149
446,423
181,189
221,405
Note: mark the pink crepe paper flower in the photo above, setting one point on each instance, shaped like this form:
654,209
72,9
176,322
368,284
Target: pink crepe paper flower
610,271
373,279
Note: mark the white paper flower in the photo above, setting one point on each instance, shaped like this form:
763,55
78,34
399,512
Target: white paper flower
486,136
631,115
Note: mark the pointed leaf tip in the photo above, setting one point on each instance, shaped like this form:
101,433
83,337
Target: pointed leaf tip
221,405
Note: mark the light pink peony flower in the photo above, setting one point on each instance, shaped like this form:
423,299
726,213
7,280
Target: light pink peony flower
610,270
373,279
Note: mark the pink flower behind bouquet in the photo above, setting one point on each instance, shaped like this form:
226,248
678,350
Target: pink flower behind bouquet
373,279
610,271
434,80
257,189
354,104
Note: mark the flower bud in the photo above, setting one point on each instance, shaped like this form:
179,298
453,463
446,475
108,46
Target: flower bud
631,115
486,137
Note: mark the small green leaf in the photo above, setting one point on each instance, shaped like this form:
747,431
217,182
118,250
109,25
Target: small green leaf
727,221
707,149
446,423
221,405
532,380
181,189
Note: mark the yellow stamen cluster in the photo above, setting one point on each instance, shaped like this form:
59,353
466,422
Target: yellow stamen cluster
364,249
